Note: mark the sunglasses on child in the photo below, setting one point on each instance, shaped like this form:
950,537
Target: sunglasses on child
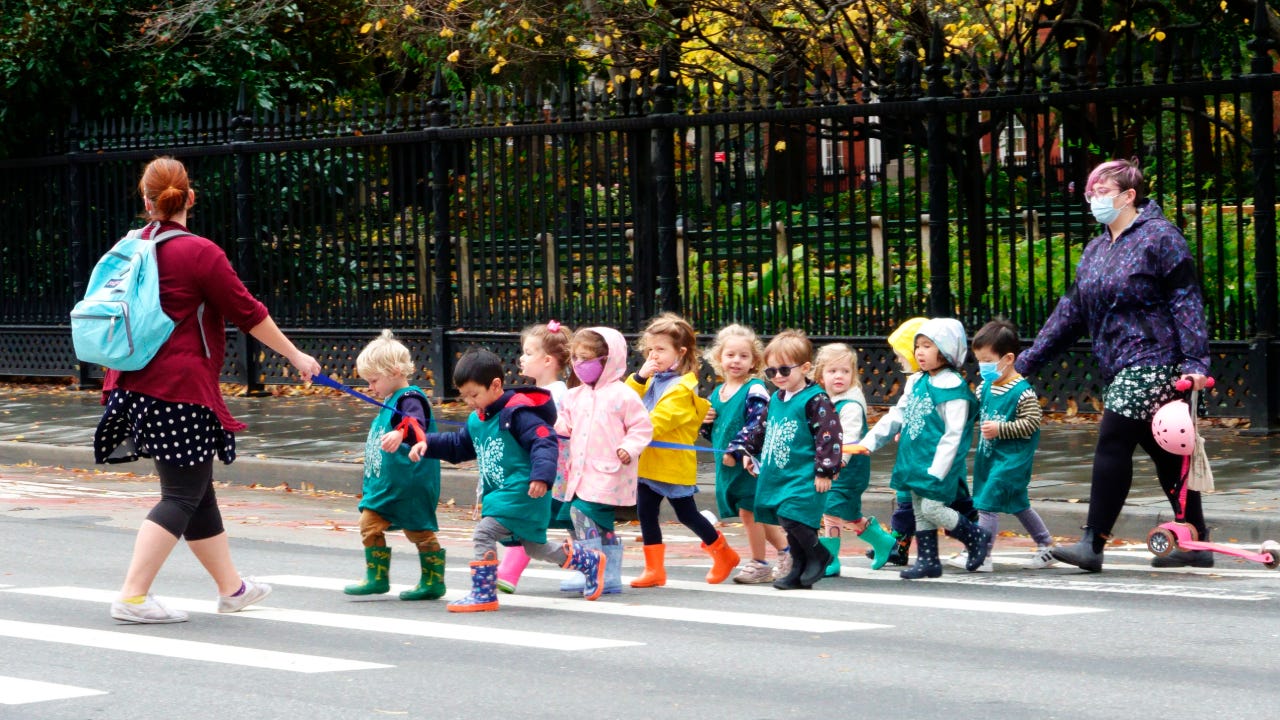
783,370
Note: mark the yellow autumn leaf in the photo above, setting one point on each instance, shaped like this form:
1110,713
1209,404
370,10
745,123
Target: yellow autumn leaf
380,24
571,39
608,41
1119,26
497,68
452,6
780,146
365,28
538,39
619,79
1158,36
635,73
453,56
524,24
446,33
409,11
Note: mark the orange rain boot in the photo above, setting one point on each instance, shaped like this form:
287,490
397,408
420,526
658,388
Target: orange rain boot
655,573
724,560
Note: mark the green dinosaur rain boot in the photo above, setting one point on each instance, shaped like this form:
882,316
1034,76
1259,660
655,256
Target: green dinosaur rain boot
431,585
377,567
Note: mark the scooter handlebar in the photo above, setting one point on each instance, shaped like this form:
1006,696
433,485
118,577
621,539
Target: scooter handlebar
1183,384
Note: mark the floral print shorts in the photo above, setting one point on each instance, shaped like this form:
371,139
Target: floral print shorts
1138,392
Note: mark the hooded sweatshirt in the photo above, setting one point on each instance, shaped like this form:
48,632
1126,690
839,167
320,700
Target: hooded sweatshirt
599,420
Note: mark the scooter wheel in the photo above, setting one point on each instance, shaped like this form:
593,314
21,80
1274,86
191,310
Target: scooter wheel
1161,542
1271,548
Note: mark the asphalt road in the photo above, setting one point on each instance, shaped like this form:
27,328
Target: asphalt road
1017,643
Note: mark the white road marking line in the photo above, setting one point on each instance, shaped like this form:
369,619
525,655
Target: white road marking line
364,623
867,598
625,608
185,649
26,489
17,691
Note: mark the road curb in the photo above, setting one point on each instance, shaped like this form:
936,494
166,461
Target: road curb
1062,517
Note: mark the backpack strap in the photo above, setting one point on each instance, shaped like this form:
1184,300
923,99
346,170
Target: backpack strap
157,239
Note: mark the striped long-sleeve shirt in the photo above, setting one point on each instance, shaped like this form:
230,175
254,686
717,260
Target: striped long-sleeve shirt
1026,421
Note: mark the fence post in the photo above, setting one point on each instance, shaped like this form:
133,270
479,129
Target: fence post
670,297
442,300
246,240
79,260
939,213
1264,355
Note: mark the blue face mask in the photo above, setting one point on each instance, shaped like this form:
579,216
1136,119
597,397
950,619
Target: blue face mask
1104,209
990,371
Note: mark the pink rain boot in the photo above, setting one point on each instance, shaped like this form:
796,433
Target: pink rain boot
514,561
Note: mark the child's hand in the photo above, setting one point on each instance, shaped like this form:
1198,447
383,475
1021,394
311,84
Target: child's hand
537,489
750,464
418,450
729,460
710,417
822,484
856,449
392,440
624,456
990,429
647,370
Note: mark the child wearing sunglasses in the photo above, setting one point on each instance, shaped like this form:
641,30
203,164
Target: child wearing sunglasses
798,446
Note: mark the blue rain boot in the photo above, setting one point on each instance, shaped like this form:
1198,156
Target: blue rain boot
613,569
977,542
484,587
591,563
927,563
576,583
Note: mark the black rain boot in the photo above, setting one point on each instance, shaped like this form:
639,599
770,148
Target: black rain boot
816,559
1086,554
927,563
1186,558
977,542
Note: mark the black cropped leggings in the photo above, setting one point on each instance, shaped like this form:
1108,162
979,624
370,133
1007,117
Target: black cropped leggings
1118,437
649,502
188,506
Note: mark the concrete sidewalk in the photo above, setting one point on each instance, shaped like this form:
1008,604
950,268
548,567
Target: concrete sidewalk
317,441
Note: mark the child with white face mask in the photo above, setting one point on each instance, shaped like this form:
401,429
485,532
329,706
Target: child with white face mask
1009,432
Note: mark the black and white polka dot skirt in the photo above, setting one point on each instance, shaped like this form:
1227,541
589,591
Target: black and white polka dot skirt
182,434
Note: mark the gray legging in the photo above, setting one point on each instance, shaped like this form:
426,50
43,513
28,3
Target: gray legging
489,532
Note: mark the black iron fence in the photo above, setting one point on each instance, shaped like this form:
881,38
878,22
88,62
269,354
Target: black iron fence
774,201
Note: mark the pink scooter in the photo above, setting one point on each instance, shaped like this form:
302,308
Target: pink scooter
1175,431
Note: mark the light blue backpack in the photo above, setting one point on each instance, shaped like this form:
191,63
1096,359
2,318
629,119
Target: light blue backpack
119,323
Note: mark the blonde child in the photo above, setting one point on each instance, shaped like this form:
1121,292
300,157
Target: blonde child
607,427
798,446
397,492
544,358
739,403
935,420
836,370
668,386
1009,434
509,434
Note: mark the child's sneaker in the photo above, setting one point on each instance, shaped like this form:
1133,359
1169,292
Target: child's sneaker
754,573
253,592
1043,558
148,612
782,568
959,559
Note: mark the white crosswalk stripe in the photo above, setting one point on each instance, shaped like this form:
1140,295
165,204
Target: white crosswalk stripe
28,490
364,623
629,609
20,691
176,648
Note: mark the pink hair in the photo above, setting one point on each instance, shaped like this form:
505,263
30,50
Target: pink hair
1124,173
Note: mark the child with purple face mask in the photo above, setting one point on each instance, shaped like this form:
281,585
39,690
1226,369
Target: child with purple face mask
607,426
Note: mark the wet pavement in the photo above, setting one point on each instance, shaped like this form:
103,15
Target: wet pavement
316,441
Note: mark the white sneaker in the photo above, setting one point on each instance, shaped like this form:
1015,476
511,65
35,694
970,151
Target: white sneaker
754,572
782,567
253,592
986,565
1043,558
147,612
958,560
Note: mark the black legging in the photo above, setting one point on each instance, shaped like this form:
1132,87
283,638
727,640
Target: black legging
1118,436
188,507
648,502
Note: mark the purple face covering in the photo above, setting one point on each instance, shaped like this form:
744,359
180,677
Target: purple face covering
589,371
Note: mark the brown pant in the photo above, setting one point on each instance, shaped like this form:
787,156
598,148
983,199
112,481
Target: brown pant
373,531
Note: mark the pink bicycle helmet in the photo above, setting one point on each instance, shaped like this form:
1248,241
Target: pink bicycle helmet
1174,429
